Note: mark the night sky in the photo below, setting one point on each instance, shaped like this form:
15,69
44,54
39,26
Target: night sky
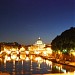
24,21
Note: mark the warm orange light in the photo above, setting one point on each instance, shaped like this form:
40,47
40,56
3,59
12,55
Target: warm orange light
31,57
45,53
27,58
37,52
5,49
17,58
8,59
27,52
17,52
73,53
8,52
22,57
1,52
22,49
49,50
13,49
38,58
13,57
48,62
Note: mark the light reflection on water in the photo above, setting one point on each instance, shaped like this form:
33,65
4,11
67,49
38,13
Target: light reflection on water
32,65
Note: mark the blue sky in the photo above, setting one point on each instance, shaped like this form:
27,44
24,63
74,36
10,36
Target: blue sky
24,21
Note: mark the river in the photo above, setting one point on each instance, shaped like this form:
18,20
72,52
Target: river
32,65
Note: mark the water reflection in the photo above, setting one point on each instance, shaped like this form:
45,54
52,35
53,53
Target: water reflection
31,65
5,65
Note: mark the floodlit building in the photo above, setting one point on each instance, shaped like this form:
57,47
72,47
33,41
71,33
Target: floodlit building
40,48
40,45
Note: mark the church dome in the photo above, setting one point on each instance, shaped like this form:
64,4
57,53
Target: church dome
39,41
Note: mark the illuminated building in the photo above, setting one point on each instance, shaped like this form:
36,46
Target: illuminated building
40,45
40,48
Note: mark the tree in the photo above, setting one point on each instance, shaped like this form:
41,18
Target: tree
65,41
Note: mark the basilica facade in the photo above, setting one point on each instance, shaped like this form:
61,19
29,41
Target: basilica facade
39,47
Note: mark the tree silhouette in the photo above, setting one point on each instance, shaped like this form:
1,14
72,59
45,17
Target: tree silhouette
64,41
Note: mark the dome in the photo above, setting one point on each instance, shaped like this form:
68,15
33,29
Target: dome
39,41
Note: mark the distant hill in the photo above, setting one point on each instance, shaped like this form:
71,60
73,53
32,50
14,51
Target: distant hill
64,41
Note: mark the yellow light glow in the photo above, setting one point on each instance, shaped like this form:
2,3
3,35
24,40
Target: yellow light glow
1,52
22,49
13,49
0,59
27,58
59,52
22,62
17,58
4,63
73,53
8,52
48,62
14,63
5,49
17,52
13,57
37,52
49,50
27,52
38,58
8,58
45,53
22,57
31,57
